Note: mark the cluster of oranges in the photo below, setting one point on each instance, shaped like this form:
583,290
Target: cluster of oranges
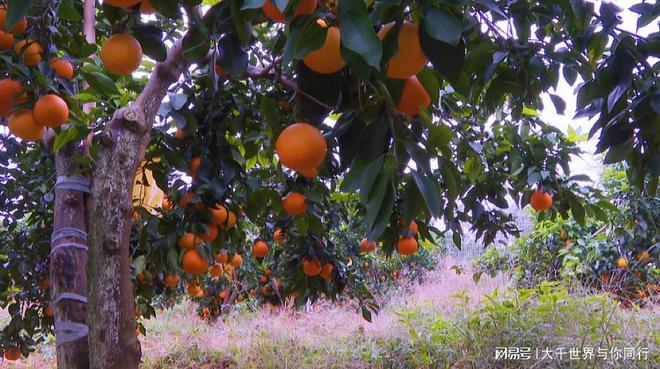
405,65
50,110
406,245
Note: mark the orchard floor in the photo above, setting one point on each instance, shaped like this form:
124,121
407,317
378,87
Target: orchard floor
432,325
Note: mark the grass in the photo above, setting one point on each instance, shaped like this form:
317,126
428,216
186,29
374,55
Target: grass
448,321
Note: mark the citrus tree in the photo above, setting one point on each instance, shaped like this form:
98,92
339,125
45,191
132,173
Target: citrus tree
270,135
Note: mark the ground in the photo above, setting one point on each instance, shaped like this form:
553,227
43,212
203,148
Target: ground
422,325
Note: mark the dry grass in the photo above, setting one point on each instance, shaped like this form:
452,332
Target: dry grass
324,336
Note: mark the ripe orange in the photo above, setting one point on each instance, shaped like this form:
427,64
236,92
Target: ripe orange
279,236
194,263
267,272
122,3
301,146
220,214
604,278
365,246
186,199
541,200
563,235
9,95
222,257
18,29
211,234
407,246
215,270
643,256
171,280
121,54
309,173
622,262
6,41
414,98
48,311
311,267
13,353
166,204
23,125
180,134
51,111
231,221
236,261
62,68
223,294
273,12
326,272
294,204
195,290
263,279
189,241
31,51
410,59
193,167
413,227
260,249
146,7
219,71
327,59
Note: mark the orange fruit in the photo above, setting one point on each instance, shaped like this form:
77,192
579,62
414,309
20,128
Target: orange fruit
279,236
294,204
273,12
195,290
180,134
223,294
30,50
231,221
407,246
267,272
194,263
219,71
48,311
622,262
311,267
194,166
222,257
51,111
220,214
643,256
413,227
414,98
215,270
365,246
260,249
122,3
166,204
326,272
171,280
121,54
18,29
189,241
541,200
9,95
327,59
146,7
563,235
301,146
13,353
211,234
62,68
309,173
410,58
604,278
263,279
6,41
23,125
236,261
186,199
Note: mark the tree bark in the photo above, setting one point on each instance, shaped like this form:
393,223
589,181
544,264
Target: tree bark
68,264
112,339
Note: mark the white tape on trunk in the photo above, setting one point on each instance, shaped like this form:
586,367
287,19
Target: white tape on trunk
66,332
70,296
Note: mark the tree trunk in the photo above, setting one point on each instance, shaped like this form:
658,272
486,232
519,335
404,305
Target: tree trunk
68,262
112,339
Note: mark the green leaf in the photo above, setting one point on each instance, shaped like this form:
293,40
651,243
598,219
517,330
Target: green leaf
196,45
357,32
443,25
150,38
384,214
235,59
362,175
168,8
430,192
66,136
68,12
269,110
304,38
253,4
16,10
559,103
375,199
100,82
411,200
